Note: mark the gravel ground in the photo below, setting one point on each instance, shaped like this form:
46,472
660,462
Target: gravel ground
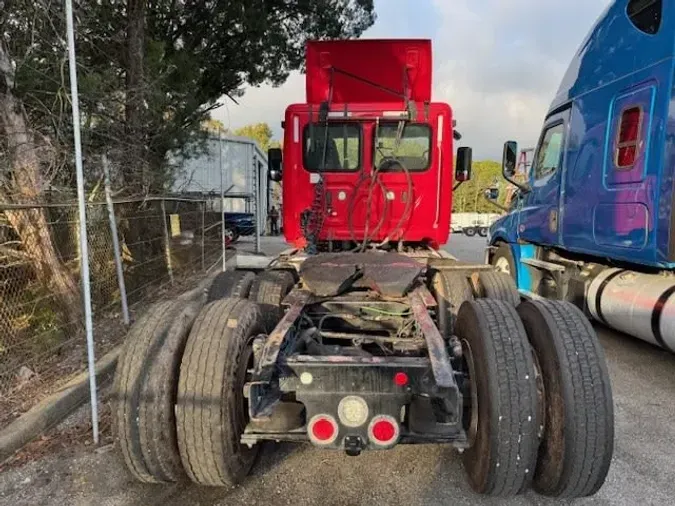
642,470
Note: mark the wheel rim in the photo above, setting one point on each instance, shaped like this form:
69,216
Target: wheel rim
471,427
502,265
241,417
541,394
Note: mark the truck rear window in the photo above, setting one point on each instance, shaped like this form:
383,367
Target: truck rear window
412,148
342,151
645,15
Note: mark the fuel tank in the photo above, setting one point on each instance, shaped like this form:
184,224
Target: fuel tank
642,305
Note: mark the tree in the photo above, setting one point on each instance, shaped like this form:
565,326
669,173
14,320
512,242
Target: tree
260,132
213,126
469,197
152,70
24,152
150,73
201,51
135,95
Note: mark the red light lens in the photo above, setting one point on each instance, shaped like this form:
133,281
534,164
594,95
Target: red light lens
629,137
383,431
626,156
400,379
630,125
323,429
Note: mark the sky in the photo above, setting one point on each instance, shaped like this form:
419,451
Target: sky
498,63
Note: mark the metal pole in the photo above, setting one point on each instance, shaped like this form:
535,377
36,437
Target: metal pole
167,247
222,201
257,198
203,232
84,258
116,241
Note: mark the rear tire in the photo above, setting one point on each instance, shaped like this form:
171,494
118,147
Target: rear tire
231,236
503,420
578,441
235,284
470,232
212,411
268,291
144,391
483,232
451,290
499,286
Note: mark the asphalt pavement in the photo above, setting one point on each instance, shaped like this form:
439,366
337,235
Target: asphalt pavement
642,471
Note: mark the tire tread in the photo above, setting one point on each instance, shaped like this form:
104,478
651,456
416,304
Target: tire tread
206,389
589,416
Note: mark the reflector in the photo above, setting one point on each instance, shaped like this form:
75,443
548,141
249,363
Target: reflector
383,430
322,429
353,411
400,379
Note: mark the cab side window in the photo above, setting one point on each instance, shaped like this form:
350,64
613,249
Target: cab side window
645,15
549,153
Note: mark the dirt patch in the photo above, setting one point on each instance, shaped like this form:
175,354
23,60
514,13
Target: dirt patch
74,433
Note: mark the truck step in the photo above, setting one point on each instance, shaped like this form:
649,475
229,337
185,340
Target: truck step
543,265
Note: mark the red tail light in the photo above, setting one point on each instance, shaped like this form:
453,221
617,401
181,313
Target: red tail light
629,137
383,430
401,379
322,429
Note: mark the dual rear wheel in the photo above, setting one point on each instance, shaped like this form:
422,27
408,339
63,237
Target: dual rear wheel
177,402
541,410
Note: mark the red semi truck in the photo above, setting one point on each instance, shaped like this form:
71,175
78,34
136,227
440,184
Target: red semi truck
365,335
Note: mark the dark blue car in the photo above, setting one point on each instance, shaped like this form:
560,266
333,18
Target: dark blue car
238,224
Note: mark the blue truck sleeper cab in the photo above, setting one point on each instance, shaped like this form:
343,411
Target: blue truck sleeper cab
596,224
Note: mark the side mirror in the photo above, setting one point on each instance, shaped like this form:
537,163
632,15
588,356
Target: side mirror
463,167
274,159
509,159
492,193
509,165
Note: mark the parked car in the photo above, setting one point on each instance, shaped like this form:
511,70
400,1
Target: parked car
238,224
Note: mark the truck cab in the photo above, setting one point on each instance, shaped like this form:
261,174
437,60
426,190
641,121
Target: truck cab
368,158
600,192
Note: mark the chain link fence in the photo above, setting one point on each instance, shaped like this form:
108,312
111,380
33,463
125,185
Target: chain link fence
163,242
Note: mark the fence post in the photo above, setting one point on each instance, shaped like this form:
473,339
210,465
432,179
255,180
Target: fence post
115,240
167,245
203,233
256,181
84,260
222,201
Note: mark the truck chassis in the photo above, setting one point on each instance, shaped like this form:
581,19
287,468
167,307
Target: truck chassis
364,351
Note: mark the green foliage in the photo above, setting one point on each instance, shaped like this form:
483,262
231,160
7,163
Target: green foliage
213,126
469,197
259,132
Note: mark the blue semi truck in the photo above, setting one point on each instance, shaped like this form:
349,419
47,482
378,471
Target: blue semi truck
595,221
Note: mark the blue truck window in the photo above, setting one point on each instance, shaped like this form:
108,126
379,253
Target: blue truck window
645,15
628,138
548,156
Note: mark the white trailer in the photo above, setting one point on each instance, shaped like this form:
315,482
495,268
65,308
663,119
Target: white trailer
472,224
